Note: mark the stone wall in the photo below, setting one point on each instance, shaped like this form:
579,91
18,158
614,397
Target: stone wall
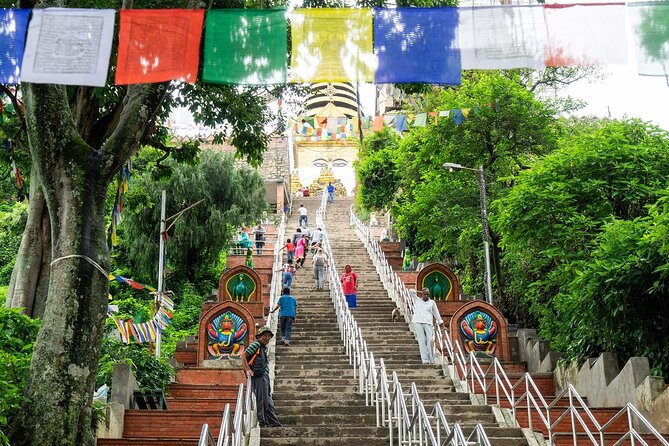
601,380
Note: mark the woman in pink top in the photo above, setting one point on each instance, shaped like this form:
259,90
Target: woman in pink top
300,251
349,284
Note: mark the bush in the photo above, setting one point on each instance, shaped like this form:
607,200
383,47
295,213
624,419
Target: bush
151,373
17,337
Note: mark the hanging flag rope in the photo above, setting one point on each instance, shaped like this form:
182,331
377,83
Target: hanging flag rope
428,45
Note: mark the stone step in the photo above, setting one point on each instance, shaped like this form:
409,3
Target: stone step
357,419
147,441
311,431
325,441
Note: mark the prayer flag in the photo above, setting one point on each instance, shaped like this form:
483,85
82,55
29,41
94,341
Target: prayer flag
417,45
650,32
582,35
246,47
402,123
378,124
13,26
158,45
332,45
68,46
502,37
421,120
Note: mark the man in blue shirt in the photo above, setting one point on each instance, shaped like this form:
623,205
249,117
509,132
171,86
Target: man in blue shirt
330,193
288,305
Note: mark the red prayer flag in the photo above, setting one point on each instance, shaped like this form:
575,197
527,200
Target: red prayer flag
158,45
378,124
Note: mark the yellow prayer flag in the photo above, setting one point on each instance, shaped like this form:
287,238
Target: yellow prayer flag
332,45
465,111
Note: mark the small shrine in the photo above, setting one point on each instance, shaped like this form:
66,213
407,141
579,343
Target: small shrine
482,329
242,285
226,328
440,280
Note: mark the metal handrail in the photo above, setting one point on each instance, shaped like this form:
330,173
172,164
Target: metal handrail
236,428
405,427
466,371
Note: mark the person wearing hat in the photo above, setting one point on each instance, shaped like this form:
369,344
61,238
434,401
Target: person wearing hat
256,365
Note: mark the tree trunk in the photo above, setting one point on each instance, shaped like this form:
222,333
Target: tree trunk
33,255
57,407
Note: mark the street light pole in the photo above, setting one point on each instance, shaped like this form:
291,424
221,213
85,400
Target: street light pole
484,220
161,262
486,235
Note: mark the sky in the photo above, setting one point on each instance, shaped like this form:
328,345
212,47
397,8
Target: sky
624,93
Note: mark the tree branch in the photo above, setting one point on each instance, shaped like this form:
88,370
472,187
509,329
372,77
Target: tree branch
140,105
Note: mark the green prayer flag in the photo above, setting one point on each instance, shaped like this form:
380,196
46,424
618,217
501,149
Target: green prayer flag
245,47
421,120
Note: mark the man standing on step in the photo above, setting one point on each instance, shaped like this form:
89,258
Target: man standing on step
320,261
424,310
287,315
303,216
256,365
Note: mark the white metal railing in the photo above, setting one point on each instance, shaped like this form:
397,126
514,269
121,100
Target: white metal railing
494,384
403,413
235,428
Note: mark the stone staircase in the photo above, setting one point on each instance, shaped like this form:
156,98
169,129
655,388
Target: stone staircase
393,341
315,394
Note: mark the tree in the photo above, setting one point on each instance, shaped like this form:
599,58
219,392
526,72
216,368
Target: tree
550,220
438,212
376,171
79,137
233,196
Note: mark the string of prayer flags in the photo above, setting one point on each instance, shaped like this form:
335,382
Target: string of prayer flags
145,331
648,21
332,45
132,283
583,35
68,46
13,26
417,45
158,45
245,47
502,37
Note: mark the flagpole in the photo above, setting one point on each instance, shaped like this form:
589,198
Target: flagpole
161,263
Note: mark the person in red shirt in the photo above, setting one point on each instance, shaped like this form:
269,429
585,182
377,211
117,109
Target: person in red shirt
349,284
290,249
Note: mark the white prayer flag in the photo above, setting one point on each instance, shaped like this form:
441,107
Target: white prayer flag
68,46
651,46
502,37
582,35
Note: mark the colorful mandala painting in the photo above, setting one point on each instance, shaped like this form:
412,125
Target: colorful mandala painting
226,335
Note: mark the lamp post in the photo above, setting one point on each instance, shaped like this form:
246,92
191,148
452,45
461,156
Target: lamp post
484,220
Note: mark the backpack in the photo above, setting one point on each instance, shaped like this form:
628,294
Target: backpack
320,261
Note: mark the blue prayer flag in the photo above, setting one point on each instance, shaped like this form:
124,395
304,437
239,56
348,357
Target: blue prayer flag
13,26
417,45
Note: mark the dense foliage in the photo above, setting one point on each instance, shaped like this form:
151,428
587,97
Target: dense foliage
578,234
233,195
17,336
571,228
12,220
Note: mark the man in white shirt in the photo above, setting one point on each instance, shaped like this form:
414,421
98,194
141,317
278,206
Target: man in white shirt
424,310
303,216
